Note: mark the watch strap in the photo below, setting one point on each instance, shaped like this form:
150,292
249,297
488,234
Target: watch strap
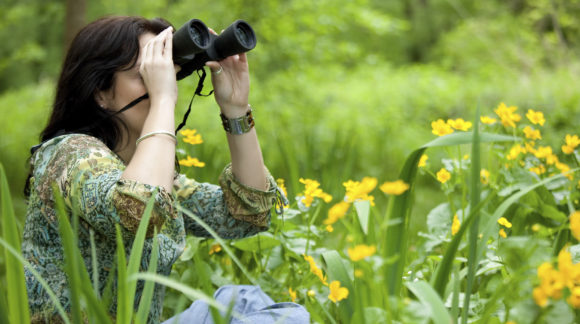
239,125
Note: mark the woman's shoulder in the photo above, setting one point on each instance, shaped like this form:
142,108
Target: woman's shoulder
69,147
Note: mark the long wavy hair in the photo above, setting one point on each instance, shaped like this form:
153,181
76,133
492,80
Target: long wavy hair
100,49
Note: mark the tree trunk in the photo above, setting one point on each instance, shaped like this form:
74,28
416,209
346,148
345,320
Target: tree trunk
74,20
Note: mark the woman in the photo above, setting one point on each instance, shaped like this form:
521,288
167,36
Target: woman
108,162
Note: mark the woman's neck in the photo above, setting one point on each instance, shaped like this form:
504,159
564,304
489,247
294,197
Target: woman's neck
126,148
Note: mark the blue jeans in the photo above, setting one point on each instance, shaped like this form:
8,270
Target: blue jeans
253,305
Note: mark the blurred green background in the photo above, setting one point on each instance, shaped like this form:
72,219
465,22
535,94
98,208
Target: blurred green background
341,89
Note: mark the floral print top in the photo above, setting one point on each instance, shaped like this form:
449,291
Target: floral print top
88,175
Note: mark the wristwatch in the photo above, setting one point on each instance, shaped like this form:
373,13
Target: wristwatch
240,125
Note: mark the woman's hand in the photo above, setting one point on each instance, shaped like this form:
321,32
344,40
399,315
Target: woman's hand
231,82
157,68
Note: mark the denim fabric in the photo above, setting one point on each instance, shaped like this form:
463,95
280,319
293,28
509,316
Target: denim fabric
249,302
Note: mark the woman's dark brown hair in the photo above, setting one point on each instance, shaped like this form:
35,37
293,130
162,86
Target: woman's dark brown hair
100,49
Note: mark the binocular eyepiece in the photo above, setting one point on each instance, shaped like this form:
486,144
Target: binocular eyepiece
193,44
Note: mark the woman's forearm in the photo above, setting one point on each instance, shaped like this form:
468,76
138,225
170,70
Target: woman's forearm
153,162
247,160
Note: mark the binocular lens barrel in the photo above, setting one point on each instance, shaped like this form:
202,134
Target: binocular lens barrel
193,37
193,44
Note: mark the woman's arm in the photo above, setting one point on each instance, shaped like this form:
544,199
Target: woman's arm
232,86
153,160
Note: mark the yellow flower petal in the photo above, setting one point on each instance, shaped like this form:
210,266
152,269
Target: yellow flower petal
394,188
337,293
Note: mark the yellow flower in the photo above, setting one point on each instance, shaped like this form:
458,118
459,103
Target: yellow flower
487,120
360,190
507,115
394,188
292,294
280,183
423,160
361,251
312,191
440,128
552,282
459,124
456,225
539,170
315,269
311,293
502,233
466,156
215,248
563,167
515,152
552,159
572,140
484,176
574,298
567,149
191,137
543,152
540,297
336,212
504,222
358,273
536,117
329,228
337,293
532,134
575,224
567,271
536,227
443,175
191,162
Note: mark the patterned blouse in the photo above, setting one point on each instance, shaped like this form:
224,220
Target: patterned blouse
88,174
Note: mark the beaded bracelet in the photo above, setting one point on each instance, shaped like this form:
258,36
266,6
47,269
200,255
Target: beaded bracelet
155,133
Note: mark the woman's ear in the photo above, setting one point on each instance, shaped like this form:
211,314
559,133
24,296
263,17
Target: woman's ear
103,99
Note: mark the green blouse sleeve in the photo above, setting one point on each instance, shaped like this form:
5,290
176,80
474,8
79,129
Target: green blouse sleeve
232,209
89,176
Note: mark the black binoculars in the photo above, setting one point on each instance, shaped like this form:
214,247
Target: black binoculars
193,44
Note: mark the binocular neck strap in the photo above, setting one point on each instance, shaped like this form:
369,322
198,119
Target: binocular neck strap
197,92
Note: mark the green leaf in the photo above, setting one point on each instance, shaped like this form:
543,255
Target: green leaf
262,241
431,300
362,210
16,293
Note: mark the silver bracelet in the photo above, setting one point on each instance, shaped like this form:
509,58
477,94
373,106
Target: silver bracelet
155,133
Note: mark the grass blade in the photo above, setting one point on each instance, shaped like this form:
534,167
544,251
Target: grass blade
441,276
17,296
192,293
71,257
51,295
221,242
123,308
148,289
430,299
137,253
475,191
